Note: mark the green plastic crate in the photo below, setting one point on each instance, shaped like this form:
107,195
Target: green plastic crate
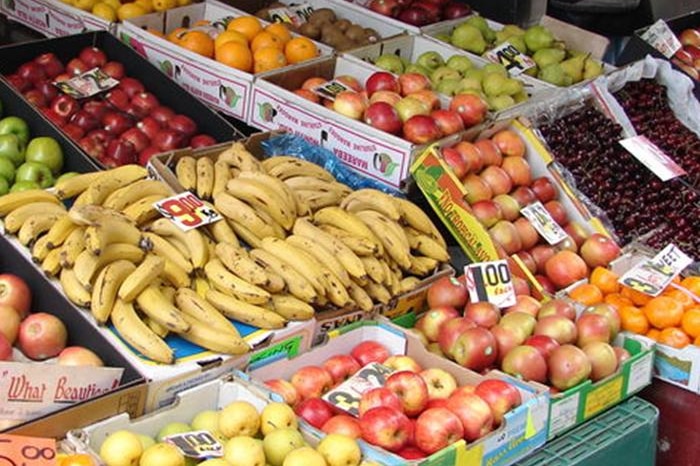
623,436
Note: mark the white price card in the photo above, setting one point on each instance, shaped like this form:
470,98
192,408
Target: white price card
543,222
652,157
662,38
490,282
197,444
87,84
346,396
652,276
187,211
293,14
330,89
564,414
507,55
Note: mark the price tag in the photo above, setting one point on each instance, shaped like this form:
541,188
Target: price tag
292,14
187,211
662,38
346,396
27,451
507,55
197,444
652,157
330,89
490,282
653,275
87,84
543,222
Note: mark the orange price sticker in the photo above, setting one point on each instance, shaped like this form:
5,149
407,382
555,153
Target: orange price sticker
18,450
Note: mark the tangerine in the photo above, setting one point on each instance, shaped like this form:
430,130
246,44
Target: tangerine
690,323
637,297
76,459
300,49
653,334
268,58
176,35
265,39
228,36
674,337
633,320
692,284
663,312
617,301
605,279
281,31
235,55
681,295
587,294
198,42
247,25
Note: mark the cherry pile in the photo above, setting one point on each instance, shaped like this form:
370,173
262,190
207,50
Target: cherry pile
636,202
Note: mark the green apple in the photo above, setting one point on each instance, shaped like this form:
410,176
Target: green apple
390,62
37,172
431,60
4,186
7,170
15,125
12,148
66,175
24,186
47,151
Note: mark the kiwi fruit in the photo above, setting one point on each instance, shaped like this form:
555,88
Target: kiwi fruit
355,33
344,43
332,36
343,24
310,30
263,13
324,15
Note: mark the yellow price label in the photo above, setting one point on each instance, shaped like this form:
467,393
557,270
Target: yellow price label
603,396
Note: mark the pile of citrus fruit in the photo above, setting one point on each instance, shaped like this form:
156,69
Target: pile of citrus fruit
672,318
113,10
246,44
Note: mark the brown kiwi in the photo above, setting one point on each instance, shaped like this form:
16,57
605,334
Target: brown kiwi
372,35
355,33
310,30
263,13
342,24
344,43
325,15
332,37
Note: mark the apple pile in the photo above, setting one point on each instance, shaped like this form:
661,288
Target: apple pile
459,75
540,342
688,57
417,412
249,437
405,106
499,183
420,12
38,336
124,125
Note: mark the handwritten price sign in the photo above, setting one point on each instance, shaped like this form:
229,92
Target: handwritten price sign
543,222
653,275
490,282
507,55
346,396
197,444
187,211
27,451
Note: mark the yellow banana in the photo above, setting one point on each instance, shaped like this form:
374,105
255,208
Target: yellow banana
278,230
158,307
146,273
310,183
284,167
73,289
51,265
72,247
192,239
238,262
163,248
415,217
135,332
37,225
143,210
372,199
239,157
122,197
361,298
263,197
422,265
291,307
40,249
205,177
88,265
282,190
106,286
245,312
111,180
250,238
59,231
110,231
175,275
90,215
15,219
221,176
232,284
212,338
222,232
13,201
408,284
243,214
318,200
186,172
295,282
357,244
378,292
347,221
374,268
322,254
390,234
75,185
426,245
197,307
299,260
158,329
201,285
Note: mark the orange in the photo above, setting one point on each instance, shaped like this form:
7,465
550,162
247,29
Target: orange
681,296
268,58
692,284
198,42
653,334
586,294
76,459
617,301
690,323
633,320
300,49
235,55
265,39
675,337
281,31
663,312
176,35
249,26
638,298
228,36
696,342
605,279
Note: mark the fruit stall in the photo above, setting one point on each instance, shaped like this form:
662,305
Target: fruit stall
345,233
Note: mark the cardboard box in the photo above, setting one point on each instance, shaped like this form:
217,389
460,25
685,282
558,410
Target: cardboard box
366,150
220,86
129,395
523,430
53,18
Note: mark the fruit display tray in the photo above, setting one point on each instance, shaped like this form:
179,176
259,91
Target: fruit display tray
129,395
222,87
52,18
524,428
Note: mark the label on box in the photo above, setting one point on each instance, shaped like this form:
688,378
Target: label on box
490,282
652,157
27,451
564,414
187,211
507,55
197,444
346,396
330,89
543,222
640,373
603,396
31,390
294,14
652,276
87,84
662,38
31,13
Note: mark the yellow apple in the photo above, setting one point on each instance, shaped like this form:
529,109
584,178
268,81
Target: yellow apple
244,451
340,450
304,456
277,416
121,448
162,454
278,443
239,418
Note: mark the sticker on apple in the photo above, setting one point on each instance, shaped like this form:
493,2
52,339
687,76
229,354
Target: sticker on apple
490,282
507,55
543,222
187,211
197,444
87,84
652,276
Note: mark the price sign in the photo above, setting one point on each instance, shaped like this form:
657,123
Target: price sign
197,444
346,396
330,89
187,211
662,38
653,275
652,157
543,222
292,14
27,451
87,84
507,55
490,282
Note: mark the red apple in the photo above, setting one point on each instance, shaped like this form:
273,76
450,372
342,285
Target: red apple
429,323
35,98
162,114
146,155
447,292
31,72
557,212
343,424
565,268
497,179
448,121
381,81
114,69
542,343
413,82
621,354
351,104
386,427
487,212
50,64
421,129
544,189
454,159
592,327
411,390
78,356
599,250
500,396
610,313
383,116
131,86
379,396
477,189
42,336
437,428
411,453
15,293
399,362
577,232
476,349
65,106
168,139
440,383
474,412
509,206
311,381
471,155
315,411
285,389
470,107
93,57
509,143
369,351
341,367
73,131
144,103
506,339
490,153
560,328
450,331
690,36
201,140
183,125
603,359
568,366
526,363
115,123
484,314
